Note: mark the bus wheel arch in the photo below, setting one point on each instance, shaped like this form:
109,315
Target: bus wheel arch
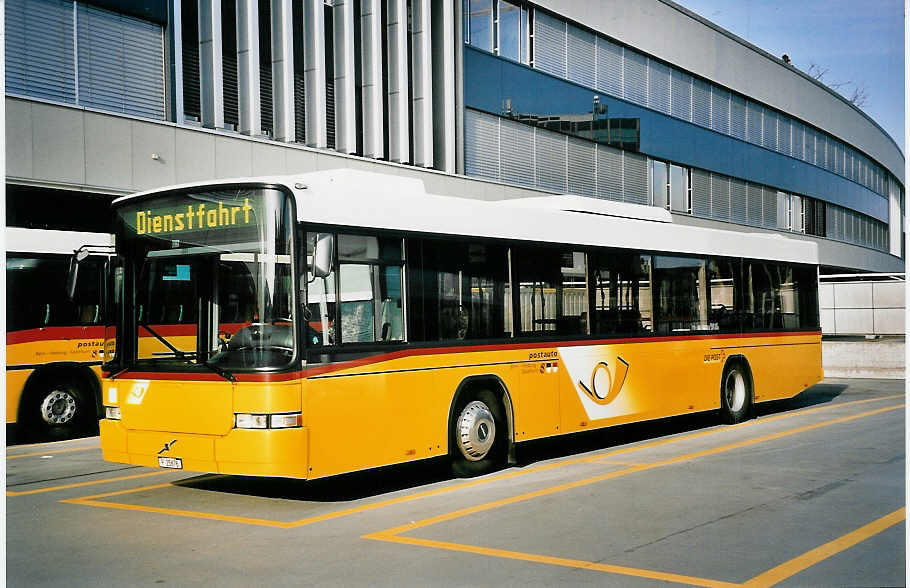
59,400
476,400
737,390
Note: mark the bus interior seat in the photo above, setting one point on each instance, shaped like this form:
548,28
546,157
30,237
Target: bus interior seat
88,314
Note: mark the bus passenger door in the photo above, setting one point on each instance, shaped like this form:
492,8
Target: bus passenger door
537,410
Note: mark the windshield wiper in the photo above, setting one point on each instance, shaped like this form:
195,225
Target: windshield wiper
189,356
180,354
220,371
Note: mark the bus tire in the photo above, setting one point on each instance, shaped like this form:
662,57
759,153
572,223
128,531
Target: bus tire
59,407
478,434
735,392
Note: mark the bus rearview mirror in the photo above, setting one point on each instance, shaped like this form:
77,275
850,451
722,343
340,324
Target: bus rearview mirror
71,277
323,255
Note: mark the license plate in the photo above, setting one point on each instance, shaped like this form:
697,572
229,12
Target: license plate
171,462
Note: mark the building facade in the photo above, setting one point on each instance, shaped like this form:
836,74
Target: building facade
635,101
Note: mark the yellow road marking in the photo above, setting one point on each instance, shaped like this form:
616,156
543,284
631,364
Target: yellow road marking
822,552
55,443
81,484
394,534
557,561
139,489
630,470
739,426
51,452
607,461
179,513
94,500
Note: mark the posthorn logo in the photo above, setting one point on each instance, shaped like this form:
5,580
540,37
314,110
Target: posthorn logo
605,385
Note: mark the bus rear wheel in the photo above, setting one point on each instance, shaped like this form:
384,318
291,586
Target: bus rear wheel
478,435
58,409
735,392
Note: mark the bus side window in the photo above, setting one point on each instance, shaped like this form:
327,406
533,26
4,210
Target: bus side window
37,284
87,297
771,296
621,283
681,300
724,294
551,291
805,280
459,290
370,286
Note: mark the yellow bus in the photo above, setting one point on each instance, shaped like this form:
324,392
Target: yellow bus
53,341
343,320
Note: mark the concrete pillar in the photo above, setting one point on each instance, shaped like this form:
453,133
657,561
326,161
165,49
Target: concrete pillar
371,77
211,80
343,47
421,73
248,98
444,43
397,38
314,72
175,59
283,70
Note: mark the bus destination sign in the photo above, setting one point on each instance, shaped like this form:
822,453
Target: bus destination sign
193,217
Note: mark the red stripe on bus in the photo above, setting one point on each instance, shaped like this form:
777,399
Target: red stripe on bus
206,377
97,332
380,357
55,334
533,345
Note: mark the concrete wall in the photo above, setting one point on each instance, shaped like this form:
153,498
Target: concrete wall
71,147
864,359
862,308
678,36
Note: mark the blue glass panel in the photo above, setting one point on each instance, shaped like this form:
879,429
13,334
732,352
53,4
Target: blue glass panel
509,30
516,91
480,23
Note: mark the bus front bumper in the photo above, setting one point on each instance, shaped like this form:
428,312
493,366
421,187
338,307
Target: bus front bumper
249,452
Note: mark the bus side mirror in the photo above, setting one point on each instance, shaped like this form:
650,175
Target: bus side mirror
323,255
73,273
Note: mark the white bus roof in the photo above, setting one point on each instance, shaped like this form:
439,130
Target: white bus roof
20,240
357,198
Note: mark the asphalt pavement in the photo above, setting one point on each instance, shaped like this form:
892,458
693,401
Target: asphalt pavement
810,492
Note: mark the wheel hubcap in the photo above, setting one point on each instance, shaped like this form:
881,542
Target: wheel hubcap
735,390
476,431
58,408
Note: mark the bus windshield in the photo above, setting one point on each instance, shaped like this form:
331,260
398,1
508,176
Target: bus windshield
213,279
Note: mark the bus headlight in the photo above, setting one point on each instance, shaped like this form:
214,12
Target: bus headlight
112,413
285,421
244,420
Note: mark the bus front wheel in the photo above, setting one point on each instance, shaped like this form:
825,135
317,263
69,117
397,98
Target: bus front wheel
478,434
735,392
58,408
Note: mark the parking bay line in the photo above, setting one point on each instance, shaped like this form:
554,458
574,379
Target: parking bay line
94,500
81,484
558,561
51,452
394,534
823,552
